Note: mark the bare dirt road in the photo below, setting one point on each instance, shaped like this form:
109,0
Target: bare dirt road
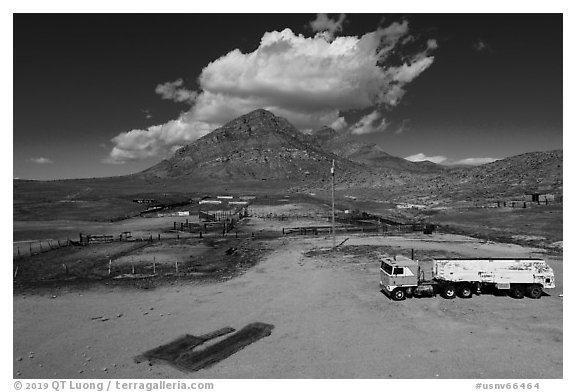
331,321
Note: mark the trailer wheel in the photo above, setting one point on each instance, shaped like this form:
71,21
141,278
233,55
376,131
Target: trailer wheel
534,291
517,292
398,295
465,291
448,292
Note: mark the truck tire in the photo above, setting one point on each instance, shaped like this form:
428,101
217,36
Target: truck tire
465,290
517,292
398,295
534,291
448,292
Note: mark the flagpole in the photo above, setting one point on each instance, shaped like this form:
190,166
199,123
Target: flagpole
333,225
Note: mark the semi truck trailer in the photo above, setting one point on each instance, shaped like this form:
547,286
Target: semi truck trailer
401,277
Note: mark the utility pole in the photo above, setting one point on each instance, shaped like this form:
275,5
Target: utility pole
333,225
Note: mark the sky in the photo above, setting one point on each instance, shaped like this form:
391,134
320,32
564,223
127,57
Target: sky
102,95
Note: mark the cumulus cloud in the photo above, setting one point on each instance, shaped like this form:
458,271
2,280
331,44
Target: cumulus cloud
157,140
175,92
326,25
474,161
308,80
41,161
420,157
370,123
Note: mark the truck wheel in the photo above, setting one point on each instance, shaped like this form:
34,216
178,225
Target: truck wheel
448,292
517,292
534,291
398,295
465,291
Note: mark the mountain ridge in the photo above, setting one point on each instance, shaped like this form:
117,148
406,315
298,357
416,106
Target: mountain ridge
260,146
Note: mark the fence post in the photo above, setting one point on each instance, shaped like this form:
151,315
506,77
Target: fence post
18,253
158,237
154,266
176,267
30,248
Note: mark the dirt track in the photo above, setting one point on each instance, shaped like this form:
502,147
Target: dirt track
330,321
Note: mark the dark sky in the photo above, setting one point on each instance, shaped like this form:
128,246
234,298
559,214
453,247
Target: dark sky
494,88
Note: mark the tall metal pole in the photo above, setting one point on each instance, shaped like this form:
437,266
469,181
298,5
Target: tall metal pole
333,225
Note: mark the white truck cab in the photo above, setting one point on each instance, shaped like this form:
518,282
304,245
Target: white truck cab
398,272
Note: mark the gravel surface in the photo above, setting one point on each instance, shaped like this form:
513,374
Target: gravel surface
330,321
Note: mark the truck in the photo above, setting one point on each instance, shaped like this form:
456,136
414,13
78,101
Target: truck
402,277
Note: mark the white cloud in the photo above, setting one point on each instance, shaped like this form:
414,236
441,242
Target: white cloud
339,124
328,26
370,123
404,126
41,161
175,92
157,140
308,80
421,157
147,113
448,162
480,46
474,161
432,44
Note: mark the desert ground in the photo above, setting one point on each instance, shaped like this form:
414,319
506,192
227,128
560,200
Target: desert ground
330,318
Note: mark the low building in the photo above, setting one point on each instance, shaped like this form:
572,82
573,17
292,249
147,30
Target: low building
210,202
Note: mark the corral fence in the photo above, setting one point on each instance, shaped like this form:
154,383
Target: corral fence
383,229
311,215
226,228
29,248
108,269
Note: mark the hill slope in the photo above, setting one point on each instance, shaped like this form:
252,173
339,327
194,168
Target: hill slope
372,155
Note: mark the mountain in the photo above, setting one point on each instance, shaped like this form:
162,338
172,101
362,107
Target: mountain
258,145
372,155
261,146
528,172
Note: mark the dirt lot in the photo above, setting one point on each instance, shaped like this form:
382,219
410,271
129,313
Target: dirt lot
330,320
